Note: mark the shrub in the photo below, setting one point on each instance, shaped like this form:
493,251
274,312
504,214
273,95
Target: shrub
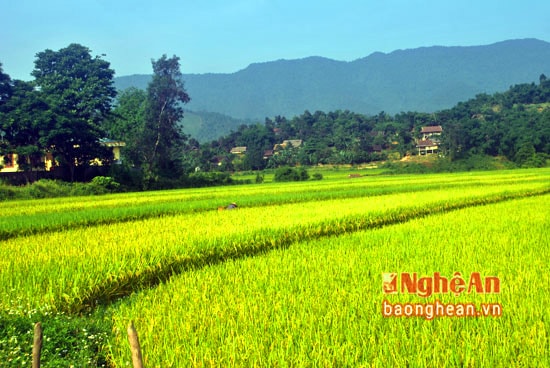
259,178
105,182
208,179
286,173
46,188
67,341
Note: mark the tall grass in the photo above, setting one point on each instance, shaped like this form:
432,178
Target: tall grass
21,218
71,255
75,270
318,303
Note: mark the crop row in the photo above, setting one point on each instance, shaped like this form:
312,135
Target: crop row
23,218
319,303
54,205
77,269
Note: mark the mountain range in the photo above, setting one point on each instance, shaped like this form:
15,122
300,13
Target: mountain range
424,79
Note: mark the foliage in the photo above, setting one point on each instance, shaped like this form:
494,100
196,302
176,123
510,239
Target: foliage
207,126
70,103
473,162
5,87
127,124
317,176
105,182
46,188
78,91
209,179
26,117
162,140
513,125
66,340
291,174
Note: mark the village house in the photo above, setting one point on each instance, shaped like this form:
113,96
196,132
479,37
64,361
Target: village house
429,143
431,132
238,150
295,143
10,161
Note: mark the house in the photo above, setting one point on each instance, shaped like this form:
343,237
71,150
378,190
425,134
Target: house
10,160
293,143
115,146
238,150
430,132
9,163
429,143
217,161
268,154
427,146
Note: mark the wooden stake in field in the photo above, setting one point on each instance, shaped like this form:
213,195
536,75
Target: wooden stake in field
137,360
37,345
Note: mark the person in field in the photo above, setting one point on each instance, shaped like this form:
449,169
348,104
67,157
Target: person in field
231,206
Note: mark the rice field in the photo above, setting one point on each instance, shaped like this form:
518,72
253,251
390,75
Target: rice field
293,277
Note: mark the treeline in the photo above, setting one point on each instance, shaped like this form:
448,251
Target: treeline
66,119
514,125
71,109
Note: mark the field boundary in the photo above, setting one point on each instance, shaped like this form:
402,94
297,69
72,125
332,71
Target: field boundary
118,287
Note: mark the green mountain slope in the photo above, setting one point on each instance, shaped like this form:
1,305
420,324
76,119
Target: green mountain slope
425,79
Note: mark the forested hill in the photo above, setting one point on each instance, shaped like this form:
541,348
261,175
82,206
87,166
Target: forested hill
425,79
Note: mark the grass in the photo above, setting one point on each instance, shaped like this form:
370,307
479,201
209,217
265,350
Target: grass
286,242
318,303
39,216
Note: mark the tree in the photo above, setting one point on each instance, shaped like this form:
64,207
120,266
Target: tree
26,117
23,115
127,123
163,139
257,138
5,87
79,92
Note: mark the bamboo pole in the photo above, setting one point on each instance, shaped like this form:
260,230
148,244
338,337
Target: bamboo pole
137,360
37,345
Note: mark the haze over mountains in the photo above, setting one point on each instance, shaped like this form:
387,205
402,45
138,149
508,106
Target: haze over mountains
424,79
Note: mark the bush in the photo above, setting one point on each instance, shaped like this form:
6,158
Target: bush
7,192
105,182
130,178
68,341
208,179
259,178
46,188
286,173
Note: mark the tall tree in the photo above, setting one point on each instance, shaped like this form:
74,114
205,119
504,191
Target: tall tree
163,138
5,94
128,122
25,118
79,91
5,87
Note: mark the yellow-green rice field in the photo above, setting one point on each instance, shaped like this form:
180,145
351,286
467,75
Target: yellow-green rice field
292,278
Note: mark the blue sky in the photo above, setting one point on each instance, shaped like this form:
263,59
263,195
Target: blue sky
224,36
